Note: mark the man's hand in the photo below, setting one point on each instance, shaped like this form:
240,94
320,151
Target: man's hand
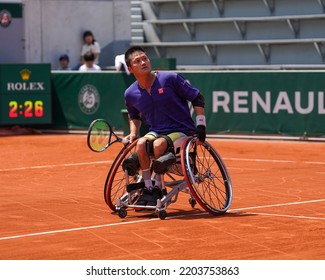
131,137
200,128
201,133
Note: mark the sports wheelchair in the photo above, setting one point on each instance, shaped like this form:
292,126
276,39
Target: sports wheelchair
199,171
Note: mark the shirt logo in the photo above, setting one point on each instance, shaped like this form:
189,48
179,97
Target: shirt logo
160,90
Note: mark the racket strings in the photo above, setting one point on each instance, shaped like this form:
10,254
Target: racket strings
99,135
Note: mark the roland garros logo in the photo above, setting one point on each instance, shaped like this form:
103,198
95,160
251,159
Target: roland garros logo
88,99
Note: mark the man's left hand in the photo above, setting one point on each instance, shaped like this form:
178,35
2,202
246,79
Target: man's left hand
201,133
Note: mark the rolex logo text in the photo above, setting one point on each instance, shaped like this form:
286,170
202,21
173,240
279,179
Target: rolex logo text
25,85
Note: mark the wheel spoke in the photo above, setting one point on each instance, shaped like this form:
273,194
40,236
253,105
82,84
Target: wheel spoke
208,177
116,182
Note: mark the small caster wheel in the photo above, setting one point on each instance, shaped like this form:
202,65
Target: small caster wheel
162,214
192,202
122,212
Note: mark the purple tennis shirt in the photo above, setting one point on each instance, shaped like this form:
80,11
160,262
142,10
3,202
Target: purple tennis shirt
166,109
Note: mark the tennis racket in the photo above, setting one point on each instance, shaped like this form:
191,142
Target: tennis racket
101,136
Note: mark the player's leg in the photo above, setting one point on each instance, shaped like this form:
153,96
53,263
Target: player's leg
165,151
144,152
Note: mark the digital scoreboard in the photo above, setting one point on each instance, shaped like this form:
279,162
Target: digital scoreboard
25,94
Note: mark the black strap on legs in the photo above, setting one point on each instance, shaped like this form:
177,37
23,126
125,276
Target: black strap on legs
161,164
149,147
170,147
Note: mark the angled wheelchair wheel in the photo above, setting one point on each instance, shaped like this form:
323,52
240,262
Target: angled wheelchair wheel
206,175
117,180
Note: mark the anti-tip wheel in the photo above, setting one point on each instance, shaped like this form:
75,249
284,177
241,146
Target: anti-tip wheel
122,212
192,202
162,214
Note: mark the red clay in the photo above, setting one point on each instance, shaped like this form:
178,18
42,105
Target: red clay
52,205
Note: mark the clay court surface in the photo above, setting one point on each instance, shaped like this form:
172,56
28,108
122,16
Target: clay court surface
52,205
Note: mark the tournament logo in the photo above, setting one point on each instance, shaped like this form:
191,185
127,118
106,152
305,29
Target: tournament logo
88,99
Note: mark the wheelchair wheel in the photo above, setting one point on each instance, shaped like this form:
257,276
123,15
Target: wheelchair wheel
206,175
116,181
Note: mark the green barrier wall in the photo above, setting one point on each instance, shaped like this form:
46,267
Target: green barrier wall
263,102
282,102
79,98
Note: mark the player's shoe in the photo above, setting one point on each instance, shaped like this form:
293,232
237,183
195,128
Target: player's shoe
135,186
156,194
144,198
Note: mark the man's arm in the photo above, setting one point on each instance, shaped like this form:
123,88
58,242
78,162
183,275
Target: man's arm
135,125
198,105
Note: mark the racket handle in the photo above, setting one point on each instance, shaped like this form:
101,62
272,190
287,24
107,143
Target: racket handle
125,141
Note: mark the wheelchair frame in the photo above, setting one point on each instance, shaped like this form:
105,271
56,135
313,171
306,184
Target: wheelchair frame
204,177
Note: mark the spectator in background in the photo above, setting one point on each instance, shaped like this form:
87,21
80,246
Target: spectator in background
5,18
64,62
90,46
119,62
89,65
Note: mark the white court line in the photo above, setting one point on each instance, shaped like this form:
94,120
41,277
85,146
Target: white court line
262,160
109,161
281,204
275,160
174,217
72,229
286,216
55,165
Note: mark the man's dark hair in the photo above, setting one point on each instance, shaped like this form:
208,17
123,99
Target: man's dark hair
130,51
89,56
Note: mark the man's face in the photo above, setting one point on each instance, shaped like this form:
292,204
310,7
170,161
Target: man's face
5,19
140,63
89,63
64,63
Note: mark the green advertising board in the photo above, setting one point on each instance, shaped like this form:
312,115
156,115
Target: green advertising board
260,102
25,94
81,97
263,102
